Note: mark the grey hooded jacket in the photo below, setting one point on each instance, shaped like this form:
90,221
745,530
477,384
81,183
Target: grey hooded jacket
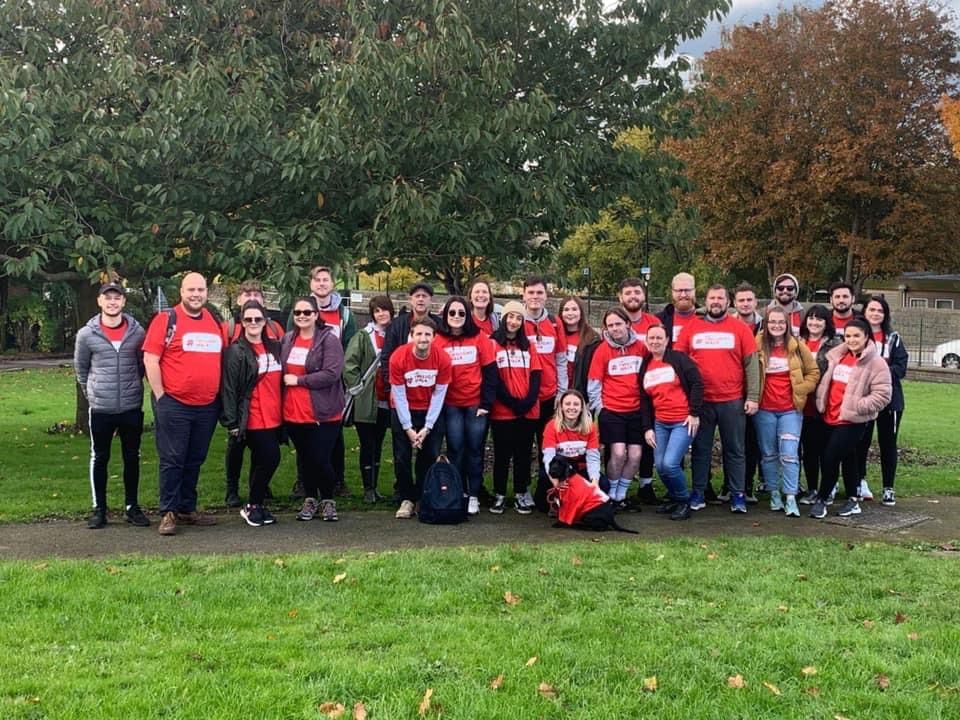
111,379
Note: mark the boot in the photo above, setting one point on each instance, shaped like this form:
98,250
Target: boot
232,499
369,488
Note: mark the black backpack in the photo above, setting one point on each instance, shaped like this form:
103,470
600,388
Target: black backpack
443,502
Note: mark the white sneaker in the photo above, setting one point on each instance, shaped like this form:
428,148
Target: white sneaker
865,493
405,511
473,505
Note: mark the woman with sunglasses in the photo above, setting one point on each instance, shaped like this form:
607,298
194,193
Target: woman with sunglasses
313,401
252,413
470,395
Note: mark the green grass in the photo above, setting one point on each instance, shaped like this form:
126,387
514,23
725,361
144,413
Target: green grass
266,637
45,475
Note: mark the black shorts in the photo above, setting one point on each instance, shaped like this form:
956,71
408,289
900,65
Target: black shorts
620,428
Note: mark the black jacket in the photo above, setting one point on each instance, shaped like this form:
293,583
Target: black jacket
690,381
238,378
895,353
581,366
666,317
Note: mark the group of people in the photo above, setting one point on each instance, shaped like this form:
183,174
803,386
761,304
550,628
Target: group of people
785,388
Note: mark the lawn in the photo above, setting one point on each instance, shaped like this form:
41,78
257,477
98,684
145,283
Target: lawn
45,475
578,630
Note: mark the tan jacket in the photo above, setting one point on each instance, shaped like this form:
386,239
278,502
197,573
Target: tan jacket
869,389
804,372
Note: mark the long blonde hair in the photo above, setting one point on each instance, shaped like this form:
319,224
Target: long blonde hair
586,419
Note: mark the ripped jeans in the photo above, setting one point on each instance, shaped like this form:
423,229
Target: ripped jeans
778,435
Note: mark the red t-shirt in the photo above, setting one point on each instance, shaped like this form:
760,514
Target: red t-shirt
680,322
577,498
115,335
840,323
616,369
514,367
838,386
420,376
543,336
297,407
777,388
485,325
571,444
810,409
467,357
265,408
570,341
719,349
662,384
642,324
190,364
331,318
379,384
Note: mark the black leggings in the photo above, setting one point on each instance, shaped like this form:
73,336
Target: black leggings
264,459
813,440
371,437
314,444
888,425
841,450
512,441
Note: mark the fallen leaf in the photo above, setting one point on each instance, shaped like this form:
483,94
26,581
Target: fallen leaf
359,711
913,636
293,613
808,671
543,571
576,560
331,709
532,661
703,546
494,568
711,556
801,577
510,599
660,557
425,702
736,682
813,691
882,681
772,688
271,637
547,691
112,570
948,547
783,608
650,684
840,717
868,624
339,578
280,562
339,561
497,682
41,566
899,618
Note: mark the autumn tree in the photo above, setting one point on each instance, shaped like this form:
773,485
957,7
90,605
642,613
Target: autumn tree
821,152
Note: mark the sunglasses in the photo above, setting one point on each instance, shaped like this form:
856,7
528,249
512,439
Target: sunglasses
456,313
781,288
253,320
302,313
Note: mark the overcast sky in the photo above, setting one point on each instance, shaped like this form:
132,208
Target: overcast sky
748,11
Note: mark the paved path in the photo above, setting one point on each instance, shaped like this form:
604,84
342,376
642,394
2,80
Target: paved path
378,530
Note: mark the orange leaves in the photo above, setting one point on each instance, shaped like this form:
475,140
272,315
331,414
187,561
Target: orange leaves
425,702
772,688
510,599
950,115
736,682
359,711
497,682
531,662
331,709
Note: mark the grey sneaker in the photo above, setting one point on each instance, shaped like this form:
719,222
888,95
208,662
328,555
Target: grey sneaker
522,505
308,510
850,507
889,498
473,505
329,510
819,510
809,499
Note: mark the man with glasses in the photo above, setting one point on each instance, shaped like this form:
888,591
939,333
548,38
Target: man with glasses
683,309
785,290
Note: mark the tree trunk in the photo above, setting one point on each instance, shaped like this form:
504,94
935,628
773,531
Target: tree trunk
86,308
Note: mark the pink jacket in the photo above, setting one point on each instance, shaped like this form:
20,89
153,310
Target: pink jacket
869,389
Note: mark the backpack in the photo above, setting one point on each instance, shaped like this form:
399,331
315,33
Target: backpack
443,502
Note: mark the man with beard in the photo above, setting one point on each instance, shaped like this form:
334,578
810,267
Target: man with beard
785,289
725,352
841,300
683,291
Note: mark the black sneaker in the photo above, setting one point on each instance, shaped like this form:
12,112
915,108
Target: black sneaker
253,514
268,518
297,492
682,512
647,495
850,507
232,500
819,510
498,504
134,515
97,519
667,508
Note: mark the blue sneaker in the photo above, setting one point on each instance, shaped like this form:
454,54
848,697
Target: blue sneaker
697,501
738,503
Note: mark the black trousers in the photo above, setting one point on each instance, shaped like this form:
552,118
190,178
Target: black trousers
264,460
314,444
813,440
371,437
547,408
103,426
512,442
841,452
410,475
888,426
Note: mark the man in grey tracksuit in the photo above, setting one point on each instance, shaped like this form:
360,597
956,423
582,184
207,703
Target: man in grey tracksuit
109,364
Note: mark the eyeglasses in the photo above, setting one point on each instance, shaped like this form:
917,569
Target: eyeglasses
781,288
456,313
302,313
683,291
253,320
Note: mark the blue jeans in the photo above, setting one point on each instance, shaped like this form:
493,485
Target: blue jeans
732,421
183,438
673,441
778,434
465,433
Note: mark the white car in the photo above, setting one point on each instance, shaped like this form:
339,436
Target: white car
947,355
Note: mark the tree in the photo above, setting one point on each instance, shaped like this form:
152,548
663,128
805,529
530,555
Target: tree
822,151
950,114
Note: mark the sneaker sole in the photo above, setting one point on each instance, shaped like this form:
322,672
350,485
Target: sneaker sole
888,503
495,511
850,513
249,522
